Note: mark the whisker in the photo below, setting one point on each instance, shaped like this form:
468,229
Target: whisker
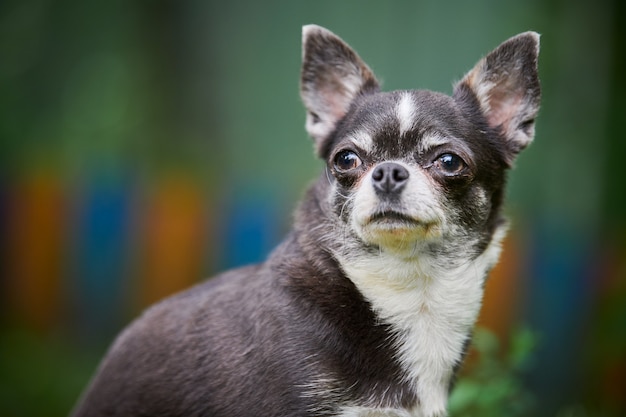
328,178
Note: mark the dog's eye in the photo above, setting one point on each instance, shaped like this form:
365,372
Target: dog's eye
347,160
450,164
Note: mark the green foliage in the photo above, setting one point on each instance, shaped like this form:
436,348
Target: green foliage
41,376
492,385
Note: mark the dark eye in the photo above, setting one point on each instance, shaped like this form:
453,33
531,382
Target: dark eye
347,160
450,164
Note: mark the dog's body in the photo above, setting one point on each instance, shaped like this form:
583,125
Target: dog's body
366,308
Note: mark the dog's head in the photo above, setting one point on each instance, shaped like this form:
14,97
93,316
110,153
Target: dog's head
418,169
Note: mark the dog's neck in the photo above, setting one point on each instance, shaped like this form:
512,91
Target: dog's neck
432,308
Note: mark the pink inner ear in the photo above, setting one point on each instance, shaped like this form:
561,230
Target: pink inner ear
336,102
504,106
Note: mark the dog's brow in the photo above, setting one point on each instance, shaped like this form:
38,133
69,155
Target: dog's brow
362,139
431,141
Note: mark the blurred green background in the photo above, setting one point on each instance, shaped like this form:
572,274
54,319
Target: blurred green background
149,144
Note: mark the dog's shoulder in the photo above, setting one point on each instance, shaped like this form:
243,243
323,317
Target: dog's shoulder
210,305
177,345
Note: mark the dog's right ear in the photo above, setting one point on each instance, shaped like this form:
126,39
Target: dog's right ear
332,76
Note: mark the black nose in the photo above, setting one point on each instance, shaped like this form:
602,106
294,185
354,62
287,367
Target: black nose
389,177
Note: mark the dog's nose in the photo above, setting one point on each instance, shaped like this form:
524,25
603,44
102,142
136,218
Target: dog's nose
389,177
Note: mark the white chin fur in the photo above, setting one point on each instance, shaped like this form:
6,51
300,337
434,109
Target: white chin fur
399,237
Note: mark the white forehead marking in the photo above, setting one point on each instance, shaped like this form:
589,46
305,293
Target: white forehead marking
363,140
406,112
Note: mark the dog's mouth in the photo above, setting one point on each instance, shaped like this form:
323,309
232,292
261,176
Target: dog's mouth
394,219
397,230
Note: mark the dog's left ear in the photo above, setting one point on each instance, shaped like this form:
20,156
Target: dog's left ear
332,76
506,86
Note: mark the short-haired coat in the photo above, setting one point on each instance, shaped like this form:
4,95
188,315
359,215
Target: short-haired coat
367,306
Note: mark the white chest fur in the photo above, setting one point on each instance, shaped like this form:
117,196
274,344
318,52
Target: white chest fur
432,308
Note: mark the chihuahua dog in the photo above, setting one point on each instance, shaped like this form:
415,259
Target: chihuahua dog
367,307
